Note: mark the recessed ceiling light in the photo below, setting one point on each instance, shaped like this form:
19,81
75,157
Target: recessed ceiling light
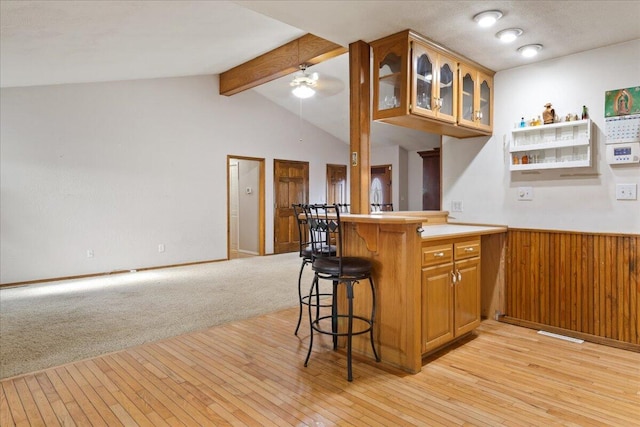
529,50
509,35
487,18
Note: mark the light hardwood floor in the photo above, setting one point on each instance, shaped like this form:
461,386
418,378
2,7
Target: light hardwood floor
251,373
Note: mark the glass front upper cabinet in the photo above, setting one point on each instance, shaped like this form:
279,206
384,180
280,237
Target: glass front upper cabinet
421,85
389,75
434,84
475,99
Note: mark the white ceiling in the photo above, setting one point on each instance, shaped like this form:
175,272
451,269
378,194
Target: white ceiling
55,42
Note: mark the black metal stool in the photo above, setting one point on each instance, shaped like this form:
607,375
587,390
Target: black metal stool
305,254
325,229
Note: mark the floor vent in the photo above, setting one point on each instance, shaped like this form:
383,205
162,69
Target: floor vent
561,337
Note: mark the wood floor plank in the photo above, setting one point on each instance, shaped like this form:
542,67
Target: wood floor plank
42,403
58,406
251,373
14,403
6,419
28,403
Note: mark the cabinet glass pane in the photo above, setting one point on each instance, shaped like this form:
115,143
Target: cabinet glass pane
389,82
485,103
467,97
446,89
424,81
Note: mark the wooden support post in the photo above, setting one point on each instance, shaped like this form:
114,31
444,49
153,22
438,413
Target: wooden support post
360,125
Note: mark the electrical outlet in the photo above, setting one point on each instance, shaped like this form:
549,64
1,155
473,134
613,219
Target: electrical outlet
626,192
456,206
525,193
161,247
89,253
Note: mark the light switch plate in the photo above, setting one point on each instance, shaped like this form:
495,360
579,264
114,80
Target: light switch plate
525,193
456,206
626,192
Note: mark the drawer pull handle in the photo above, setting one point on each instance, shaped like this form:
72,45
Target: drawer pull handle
438,254
468,249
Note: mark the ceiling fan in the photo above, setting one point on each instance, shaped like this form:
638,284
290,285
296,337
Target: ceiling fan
306,85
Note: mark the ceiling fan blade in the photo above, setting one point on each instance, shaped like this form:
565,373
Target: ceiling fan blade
329,86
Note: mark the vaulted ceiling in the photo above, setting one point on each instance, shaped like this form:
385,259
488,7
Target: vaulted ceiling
56,42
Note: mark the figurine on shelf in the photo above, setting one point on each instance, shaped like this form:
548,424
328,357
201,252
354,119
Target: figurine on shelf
548,114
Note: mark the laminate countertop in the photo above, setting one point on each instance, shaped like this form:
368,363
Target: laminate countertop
440,231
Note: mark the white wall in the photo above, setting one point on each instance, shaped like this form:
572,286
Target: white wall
121,167
476,170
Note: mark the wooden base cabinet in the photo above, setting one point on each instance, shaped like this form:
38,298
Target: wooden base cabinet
450,291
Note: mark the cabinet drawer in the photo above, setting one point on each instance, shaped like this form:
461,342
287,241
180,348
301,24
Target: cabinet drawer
437,254
467,249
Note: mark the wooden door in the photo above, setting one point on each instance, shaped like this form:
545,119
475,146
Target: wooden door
467,295
380,184
437,306
336,184
430,179
291,185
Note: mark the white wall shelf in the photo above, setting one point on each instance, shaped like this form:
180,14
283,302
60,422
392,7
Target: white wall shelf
553,146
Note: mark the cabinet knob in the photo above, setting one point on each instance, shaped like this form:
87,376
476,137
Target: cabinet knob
419,230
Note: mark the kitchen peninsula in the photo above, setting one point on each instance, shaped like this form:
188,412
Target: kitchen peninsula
433,279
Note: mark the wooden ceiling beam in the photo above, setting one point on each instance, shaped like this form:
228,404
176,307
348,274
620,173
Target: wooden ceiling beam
283,60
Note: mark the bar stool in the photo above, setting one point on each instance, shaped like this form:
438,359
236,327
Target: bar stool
325,229
305,255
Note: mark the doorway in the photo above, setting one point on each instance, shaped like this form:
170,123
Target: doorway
380,190
291,186
431,188
245,207
336,184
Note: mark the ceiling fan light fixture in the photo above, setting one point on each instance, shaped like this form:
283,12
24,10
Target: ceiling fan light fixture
303,83
303,91
530,50
509,35
487,18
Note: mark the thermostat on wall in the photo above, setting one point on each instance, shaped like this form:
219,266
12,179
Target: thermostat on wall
618,154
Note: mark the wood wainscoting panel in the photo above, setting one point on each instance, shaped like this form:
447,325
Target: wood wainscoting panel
583,282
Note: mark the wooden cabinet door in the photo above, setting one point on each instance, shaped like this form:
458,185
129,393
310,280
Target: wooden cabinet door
484,102
291,185
447,87
467,295
437,306
466,96
424,69
390,82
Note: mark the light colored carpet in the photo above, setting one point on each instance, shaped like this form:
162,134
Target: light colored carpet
53,323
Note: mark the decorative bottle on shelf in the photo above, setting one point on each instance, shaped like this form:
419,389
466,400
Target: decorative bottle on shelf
585,112
522,123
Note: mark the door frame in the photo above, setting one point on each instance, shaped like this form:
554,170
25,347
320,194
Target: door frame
261,203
